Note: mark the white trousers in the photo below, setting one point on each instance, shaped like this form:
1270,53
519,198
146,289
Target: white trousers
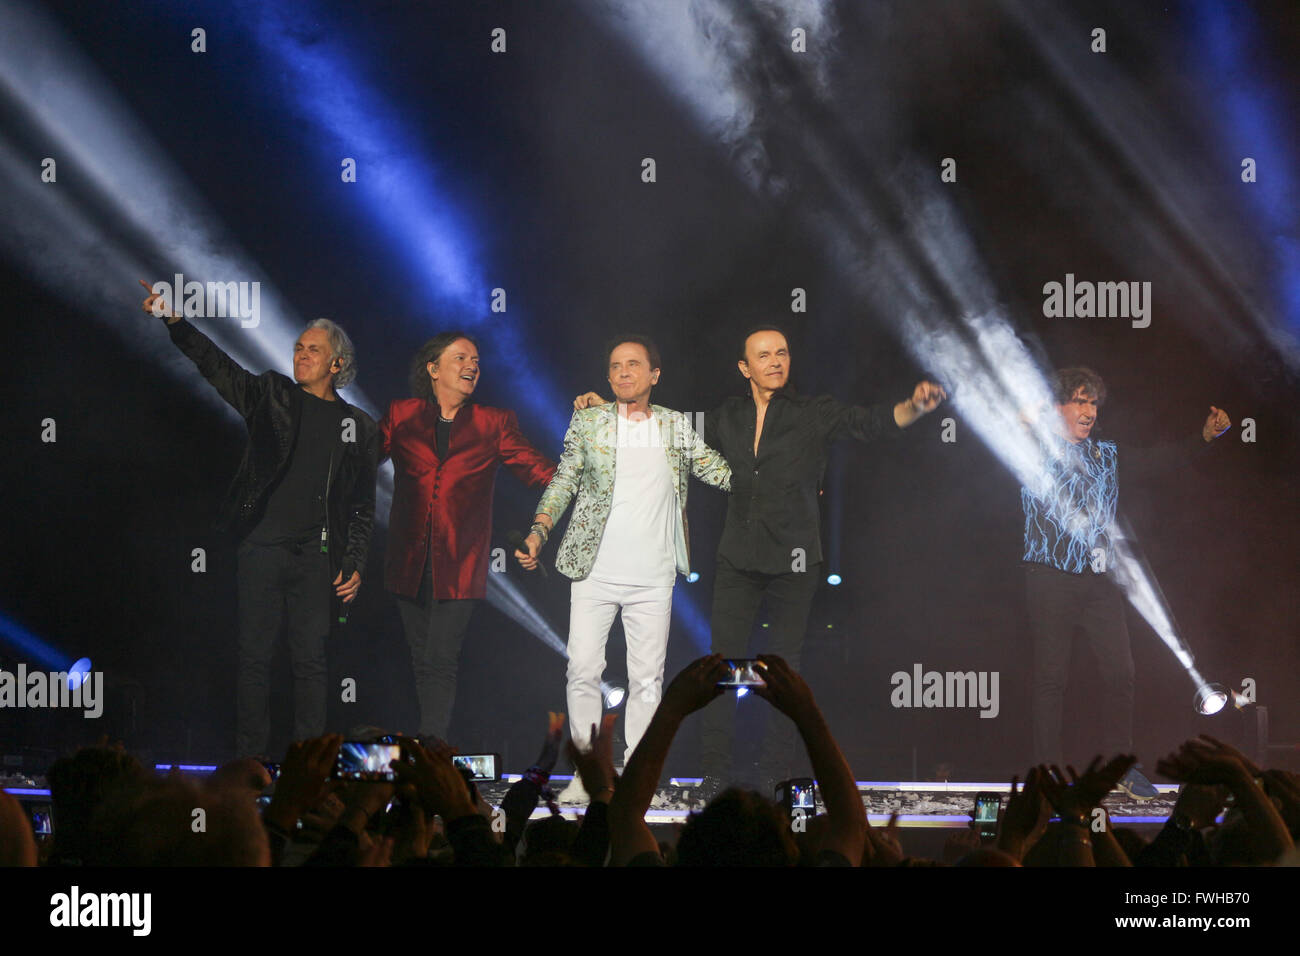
647,613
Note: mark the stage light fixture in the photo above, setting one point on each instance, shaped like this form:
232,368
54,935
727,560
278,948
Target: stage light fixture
78,673
1211,698
833,580
614,696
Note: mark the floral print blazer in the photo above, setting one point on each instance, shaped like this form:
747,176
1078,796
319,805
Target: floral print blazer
587,468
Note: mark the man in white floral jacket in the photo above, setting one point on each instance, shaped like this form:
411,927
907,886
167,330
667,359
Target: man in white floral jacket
629,464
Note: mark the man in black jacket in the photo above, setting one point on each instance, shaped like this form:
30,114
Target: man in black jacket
302,506
777,442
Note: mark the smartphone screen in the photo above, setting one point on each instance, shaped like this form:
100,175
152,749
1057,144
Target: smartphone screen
798,795
987,806
743,672
42,821
366,761
482,767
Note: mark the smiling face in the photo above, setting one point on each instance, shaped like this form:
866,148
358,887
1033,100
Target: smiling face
456,369
767,360
313,359
630,374
1079,415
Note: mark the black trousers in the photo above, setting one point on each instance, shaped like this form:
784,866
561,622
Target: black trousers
276,582
1059,603
737,595
435,631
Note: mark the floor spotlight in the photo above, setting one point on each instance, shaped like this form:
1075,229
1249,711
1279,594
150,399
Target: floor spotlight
692,577
614,697
833,580
78,673
1211,699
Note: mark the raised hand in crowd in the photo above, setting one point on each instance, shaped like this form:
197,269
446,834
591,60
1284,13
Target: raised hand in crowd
1209,761
881,846
693,688
1025,817
846,831
303,777
1075,798
595,765
439,786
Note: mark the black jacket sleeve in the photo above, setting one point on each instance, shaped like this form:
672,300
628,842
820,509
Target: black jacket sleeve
862,422
238,386
360,501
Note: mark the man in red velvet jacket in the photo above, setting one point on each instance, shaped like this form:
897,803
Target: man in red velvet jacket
446,452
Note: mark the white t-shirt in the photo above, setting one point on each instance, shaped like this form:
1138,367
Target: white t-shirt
638,544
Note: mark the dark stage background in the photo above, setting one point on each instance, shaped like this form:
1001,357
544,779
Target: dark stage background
522,170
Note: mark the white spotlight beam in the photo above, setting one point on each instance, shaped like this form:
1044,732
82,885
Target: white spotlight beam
106,158
105,154
701,51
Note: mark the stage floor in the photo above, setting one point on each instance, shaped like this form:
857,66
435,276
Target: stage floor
917,803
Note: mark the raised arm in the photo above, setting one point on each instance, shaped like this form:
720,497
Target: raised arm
695,686
926,397
1208,761
870,422
1074,799
1143,463
238,386
788,693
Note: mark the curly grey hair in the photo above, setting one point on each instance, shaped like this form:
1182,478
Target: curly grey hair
342,349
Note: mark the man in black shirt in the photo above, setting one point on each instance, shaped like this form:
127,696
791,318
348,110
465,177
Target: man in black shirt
302,506
777,443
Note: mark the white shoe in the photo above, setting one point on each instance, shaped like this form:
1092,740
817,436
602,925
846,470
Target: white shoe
575,792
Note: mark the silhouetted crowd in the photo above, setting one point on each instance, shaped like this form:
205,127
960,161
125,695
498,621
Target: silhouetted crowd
108,810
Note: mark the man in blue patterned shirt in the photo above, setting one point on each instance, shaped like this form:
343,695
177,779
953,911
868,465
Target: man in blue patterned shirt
1069,524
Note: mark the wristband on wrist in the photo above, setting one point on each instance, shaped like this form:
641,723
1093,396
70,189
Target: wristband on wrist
540,530
536,776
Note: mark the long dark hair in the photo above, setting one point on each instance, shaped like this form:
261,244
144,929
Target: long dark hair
431,351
